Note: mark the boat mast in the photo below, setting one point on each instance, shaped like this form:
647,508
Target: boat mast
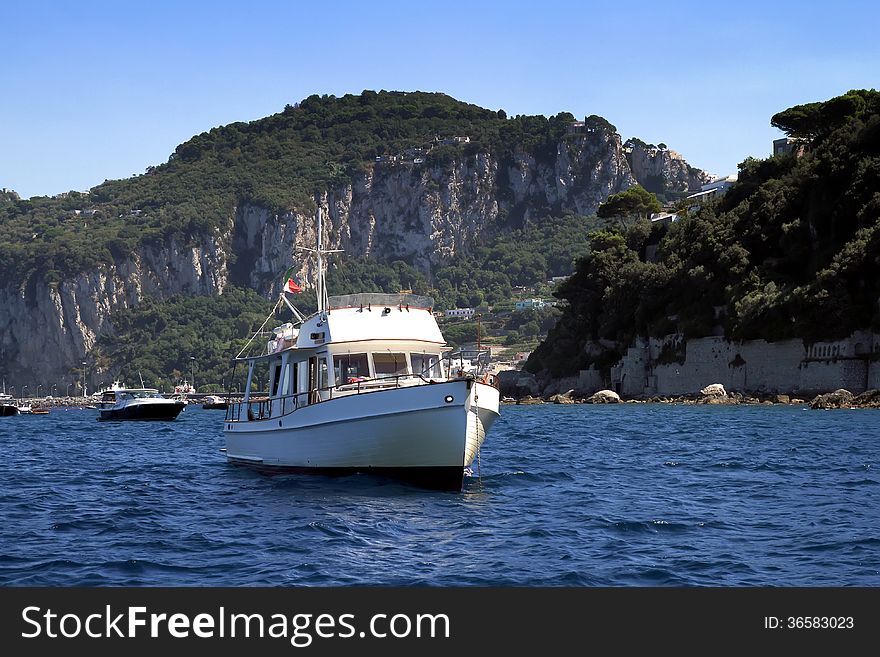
320,282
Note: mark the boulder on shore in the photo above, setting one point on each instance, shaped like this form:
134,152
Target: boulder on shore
604,397
868,399
838,399
714,390
563,398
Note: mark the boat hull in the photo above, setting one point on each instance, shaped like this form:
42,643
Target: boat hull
164,411
424,434
7,410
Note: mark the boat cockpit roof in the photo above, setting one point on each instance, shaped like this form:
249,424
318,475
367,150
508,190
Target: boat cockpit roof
133,390
369,299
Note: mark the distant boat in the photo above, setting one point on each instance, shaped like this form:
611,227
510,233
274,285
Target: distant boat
138,404
40,411
185,388
24,408
99,395
214,401
7,409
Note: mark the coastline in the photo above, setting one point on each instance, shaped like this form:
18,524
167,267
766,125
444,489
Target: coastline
89,402
837,399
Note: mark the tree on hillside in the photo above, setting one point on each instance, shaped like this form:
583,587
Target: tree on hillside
633,203
813,120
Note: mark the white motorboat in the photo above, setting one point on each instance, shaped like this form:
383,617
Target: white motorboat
214,402
137,404
365,384
8,407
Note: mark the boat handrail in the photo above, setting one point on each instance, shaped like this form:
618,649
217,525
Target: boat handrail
468,361
267,408
380,299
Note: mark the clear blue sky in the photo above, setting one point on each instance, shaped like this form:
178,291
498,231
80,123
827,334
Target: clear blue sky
95,90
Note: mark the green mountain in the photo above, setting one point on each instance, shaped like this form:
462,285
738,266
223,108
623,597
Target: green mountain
419,189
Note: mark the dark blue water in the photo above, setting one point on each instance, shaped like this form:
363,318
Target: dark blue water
647,495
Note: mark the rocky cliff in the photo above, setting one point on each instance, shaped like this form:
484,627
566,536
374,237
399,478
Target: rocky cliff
47,329
425,214
659,169
418,210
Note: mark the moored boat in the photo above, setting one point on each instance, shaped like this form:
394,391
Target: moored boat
8,410
365,384
8,407
138,404
214,402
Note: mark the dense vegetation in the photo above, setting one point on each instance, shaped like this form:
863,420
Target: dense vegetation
489,275
156,340
791,251
633,203
279,162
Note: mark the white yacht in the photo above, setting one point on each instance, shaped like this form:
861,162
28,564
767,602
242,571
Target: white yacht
366,384
214,402
8,407
137,404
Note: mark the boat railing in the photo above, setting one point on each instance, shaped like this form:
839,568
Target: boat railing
270,408
467,361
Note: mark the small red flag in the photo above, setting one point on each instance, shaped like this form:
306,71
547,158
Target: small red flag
292,287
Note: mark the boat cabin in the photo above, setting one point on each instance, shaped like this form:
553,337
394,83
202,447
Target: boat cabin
122,394
362,343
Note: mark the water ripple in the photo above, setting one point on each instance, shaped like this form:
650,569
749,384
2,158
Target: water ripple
647,495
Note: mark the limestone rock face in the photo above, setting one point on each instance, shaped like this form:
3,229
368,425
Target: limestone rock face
423,213
660,169
47,329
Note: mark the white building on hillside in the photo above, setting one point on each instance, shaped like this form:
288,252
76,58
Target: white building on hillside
525,304
711,190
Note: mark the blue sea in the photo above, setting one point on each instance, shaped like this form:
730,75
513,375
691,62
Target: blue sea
581,495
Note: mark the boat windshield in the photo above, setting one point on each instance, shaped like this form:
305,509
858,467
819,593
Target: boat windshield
350,368
387,363
427,365
141,394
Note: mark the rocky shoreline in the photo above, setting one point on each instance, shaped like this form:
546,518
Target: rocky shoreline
83,402
714,394
54,402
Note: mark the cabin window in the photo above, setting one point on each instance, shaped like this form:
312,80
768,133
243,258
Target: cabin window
428,365
388,364
285,381
349,368
276,375
294,379
323,374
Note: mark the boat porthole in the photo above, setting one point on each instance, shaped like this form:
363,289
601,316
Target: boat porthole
279,423
449,399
